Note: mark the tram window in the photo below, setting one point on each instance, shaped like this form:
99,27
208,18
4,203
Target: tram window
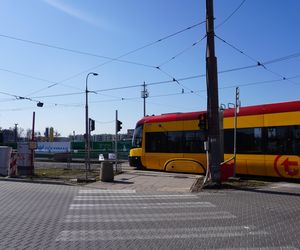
193,142
279,140
228,141
248,141
157,142
137,137
175,142
296,132
164,142
296,140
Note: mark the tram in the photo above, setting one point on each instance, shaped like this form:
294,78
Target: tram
267,140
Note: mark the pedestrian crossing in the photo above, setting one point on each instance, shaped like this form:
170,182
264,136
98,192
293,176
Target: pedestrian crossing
118,215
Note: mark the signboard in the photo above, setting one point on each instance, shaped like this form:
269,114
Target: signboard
53,147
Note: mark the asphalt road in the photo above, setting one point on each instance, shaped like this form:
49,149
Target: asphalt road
41,216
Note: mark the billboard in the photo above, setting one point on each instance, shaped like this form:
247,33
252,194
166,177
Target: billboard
53,147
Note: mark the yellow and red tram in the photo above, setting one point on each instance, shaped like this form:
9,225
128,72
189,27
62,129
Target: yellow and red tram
268,141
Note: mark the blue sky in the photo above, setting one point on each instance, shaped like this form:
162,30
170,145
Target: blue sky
262,30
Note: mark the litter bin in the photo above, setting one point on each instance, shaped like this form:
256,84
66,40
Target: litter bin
5,153
107,172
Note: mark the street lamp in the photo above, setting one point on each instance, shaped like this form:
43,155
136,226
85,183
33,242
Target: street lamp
87,134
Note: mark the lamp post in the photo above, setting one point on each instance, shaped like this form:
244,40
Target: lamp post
87,130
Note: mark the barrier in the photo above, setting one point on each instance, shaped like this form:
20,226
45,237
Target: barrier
5,153
226,171
24,159
12,171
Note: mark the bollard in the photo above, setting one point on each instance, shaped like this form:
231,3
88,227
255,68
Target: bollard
107,172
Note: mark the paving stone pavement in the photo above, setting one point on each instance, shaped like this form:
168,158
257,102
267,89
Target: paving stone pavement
124,219
37,216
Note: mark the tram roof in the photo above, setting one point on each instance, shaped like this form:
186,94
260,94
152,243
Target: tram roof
250,110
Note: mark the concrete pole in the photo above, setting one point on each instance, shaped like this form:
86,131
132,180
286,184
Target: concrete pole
212,97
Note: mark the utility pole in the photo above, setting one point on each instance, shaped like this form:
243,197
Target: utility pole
212,97
116,142
31,171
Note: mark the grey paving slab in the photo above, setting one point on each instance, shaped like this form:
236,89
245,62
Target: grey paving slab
149,181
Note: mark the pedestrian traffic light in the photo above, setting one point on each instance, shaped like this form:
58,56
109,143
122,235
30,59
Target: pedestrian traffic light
92,124
118,126
203,121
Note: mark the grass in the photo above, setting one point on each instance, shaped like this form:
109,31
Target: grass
230,184
244,183
64,174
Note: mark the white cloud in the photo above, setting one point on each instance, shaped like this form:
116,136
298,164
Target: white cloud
72,11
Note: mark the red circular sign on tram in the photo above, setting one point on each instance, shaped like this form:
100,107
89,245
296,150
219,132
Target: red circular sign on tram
287,166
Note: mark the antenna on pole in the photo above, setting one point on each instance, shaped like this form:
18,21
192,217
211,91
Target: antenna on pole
144,95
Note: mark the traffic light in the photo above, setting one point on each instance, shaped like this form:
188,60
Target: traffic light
118,126
92,124
203,121
40,104
237,93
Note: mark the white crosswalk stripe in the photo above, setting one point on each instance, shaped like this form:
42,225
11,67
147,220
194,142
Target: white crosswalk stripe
131,197
104,191
114,207
154,205
148,217
174,233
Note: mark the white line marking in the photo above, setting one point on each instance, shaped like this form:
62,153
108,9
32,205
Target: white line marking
143,205
161,233
133,197
147,217
102,191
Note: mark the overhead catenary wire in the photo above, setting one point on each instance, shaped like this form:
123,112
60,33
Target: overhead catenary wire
117,99
263,65
133,51
79,105
109,59
18,97
176,80
72,50
181,52
163,82
226,19
184,79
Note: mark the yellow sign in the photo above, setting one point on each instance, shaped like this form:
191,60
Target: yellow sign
32,145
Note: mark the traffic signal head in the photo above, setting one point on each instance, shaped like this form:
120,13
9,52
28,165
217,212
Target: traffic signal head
92,124
203,121
119,126
40,104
